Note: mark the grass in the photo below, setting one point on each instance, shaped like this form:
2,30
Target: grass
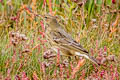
92,23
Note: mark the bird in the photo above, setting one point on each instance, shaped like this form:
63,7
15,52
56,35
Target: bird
58,38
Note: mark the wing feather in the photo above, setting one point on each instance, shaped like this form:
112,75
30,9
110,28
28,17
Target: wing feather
65,40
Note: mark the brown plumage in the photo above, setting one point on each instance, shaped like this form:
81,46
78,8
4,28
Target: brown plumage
59,38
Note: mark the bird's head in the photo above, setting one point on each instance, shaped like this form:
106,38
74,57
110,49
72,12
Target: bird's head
50,20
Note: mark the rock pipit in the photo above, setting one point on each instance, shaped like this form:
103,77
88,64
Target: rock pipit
58,38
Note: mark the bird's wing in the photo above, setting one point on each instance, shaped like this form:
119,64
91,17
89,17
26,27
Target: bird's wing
65,40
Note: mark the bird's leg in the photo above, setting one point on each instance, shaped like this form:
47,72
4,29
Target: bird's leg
69,59
76,58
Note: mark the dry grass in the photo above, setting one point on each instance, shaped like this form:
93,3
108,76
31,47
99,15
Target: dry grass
93,23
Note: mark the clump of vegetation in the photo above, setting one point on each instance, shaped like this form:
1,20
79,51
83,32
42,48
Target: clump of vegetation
23,47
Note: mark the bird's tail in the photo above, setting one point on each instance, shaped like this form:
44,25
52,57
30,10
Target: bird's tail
92,59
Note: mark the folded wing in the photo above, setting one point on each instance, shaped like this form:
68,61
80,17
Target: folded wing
65,40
